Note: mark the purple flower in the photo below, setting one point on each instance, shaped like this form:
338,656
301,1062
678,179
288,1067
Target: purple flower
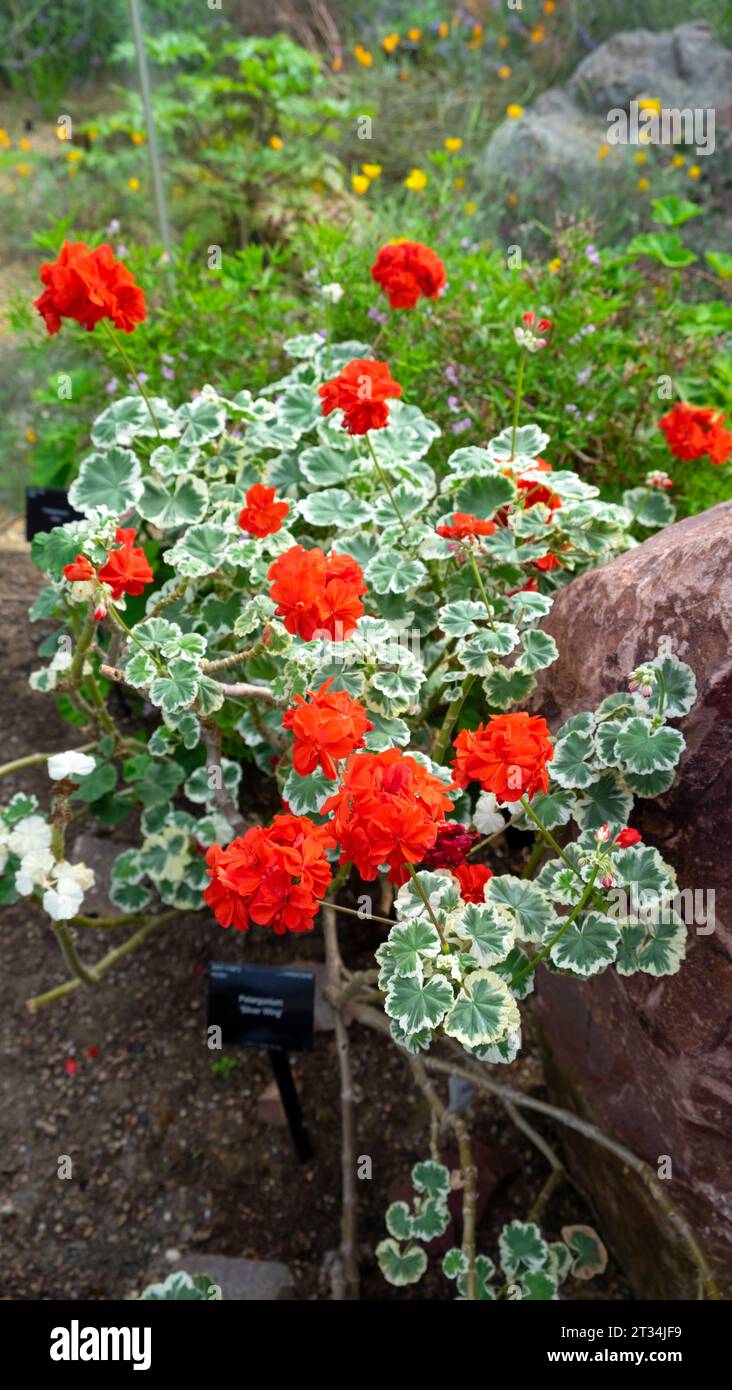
461,425
571,409
454,403
323,332
113,227
593,254
166,357
451,374
584,375
111,386
592,416
121,252
465,243
168,373
471,285
377,316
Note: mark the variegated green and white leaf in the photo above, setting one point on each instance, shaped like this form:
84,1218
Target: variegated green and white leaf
305,795
572,764
478,653
484,1012
643,749
507,686
392,572
538,650
401,1267
430,1220
415,1005
589,1256
462,617
409,944
431,1178
490,933
526,901
553,809
522,1248
588,945
399,1221
604,802
674,691
108,482
178,688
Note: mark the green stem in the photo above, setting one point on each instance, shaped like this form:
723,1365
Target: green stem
451,718
86,638
481,587
428,905
517,402
537,852
544,952
70,955
549,838
386,484
104,964
133,373
129,634
32,759
639,508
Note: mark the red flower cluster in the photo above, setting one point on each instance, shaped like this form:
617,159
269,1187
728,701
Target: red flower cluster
405,270
508,756
327,727
262,516
472,879
88,286
387,811
691,432
361,391
464,524
126,570
454,842
317,593
628,837
272,876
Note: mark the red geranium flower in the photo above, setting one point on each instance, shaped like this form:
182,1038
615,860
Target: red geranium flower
628,837
361,391
88,286
262,516
692,431
464,524
549,562
472,879
387,811
127,570
508,756
328,727
317,593
405,270
454,841
273,877
80,570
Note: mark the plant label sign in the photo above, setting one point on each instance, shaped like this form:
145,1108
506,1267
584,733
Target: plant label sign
262,1006
46,507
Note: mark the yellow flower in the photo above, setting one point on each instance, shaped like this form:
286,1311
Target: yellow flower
514,111
476,38
649,104
31,436
678,161
459,184
363,56
555,265
443,29
23,170
133,184
537,34
390,42
694,171
503,41
137,137
337,64
414,35
603,152
640,158
24,144
359,183
416,180
405,74
504,70
549,6
470,208
453,143
512,199
92,132
276,142
371,171
73,155
643,185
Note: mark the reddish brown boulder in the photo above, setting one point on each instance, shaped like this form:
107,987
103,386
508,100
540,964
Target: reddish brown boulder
650,1060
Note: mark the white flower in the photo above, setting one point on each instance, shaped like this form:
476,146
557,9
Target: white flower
31,835
81,590
487,818
332,292
80,874
65,899
34,872
71,764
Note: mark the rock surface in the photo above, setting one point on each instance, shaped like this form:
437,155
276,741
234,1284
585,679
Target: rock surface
560,134
650,1060
260,1281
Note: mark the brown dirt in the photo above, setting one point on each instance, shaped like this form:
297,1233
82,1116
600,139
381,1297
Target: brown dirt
167,1154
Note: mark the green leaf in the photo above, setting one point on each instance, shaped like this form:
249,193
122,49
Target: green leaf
324,465
454,1263
673,211
674,691
539,650
140,670
415,1005
120,422
478,654
589,1256
538,1287
587,946
97,783
201,420
430,1220
108,482
391,572
721,263
523,1249
641,748
650,507
399,1221
401,1267
300,409
462,617
571,765
605,801
508,686
527,903
432,1178
490,934
408,943
200,551
334,508
306,795
129,897
665,247
177,689
159,783
179,505
484,1011
484,496
553,809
